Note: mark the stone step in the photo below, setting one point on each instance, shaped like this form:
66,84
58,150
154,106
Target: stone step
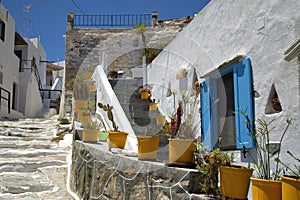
27,166
29,153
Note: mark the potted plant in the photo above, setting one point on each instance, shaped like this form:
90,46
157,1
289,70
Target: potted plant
235,181
208,163
153,105
145,91
116,138
90,131
265,185
290,181
148,143
81,92
93,87
184,128
89,71
85,117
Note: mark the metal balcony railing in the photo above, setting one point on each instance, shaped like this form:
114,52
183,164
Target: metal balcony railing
125,20
6,98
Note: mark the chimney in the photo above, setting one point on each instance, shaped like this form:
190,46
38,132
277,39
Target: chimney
154,18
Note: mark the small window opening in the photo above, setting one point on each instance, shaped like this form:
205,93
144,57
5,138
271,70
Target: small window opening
273,104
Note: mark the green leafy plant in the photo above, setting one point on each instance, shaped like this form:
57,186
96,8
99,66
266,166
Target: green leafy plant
186,123
208,164
92,125
157,131
63,121
261,138
108,109
295,171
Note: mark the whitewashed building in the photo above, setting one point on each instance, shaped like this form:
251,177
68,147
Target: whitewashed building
9,67
22,71
245,54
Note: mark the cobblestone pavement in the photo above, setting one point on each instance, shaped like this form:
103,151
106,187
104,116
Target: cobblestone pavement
32,165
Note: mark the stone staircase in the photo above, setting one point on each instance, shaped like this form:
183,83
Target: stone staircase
135,108
137,111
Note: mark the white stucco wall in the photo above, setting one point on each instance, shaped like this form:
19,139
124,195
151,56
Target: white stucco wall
35,49
32,104
106,95
9,63
260,30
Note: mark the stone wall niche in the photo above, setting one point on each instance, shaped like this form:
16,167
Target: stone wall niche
273,104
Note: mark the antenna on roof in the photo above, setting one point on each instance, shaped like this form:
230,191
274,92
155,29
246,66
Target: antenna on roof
26,19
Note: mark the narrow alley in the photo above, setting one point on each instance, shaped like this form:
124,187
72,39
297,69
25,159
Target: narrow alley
33,161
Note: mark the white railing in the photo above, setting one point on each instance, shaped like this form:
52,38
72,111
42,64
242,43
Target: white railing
106,95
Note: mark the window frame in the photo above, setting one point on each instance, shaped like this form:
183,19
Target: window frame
243,102
2,30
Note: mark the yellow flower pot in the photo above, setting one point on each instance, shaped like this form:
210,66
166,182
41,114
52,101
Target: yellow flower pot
80,104
116,139
160,119
290,188
93,88
79,114
90,135
266,189
88,75
147,147
144,95
235,181
152,106
181,150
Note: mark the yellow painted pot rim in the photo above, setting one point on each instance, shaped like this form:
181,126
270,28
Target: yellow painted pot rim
237,167
117,132
290,177
264,180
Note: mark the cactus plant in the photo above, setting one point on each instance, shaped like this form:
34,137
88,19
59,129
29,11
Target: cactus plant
108,109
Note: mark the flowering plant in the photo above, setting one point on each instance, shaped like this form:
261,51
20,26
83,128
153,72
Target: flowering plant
145,88
186,123
261,138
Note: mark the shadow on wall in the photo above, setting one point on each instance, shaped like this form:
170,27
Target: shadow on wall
139,109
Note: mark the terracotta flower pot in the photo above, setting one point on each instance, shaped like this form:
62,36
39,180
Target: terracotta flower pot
90,135
144,94
93,88
181,150
116,139
88,75
290,188
147,147
80,113
266,189
152,106
235,181
80,104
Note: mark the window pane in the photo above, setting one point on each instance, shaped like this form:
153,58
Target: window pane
226,111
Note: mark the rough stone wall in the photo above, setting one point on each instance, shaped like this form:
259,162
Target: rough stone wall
84,46
124,47
98,174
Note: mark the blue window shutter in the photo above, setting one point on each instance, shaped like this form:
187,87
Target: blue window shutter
243,90
206,115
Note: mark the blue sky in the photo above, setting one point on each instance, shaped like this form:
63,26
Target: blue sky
47,19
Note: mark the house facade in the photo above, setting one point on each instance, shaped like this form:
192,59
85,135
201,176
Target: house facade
9,65
22,71
246,58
